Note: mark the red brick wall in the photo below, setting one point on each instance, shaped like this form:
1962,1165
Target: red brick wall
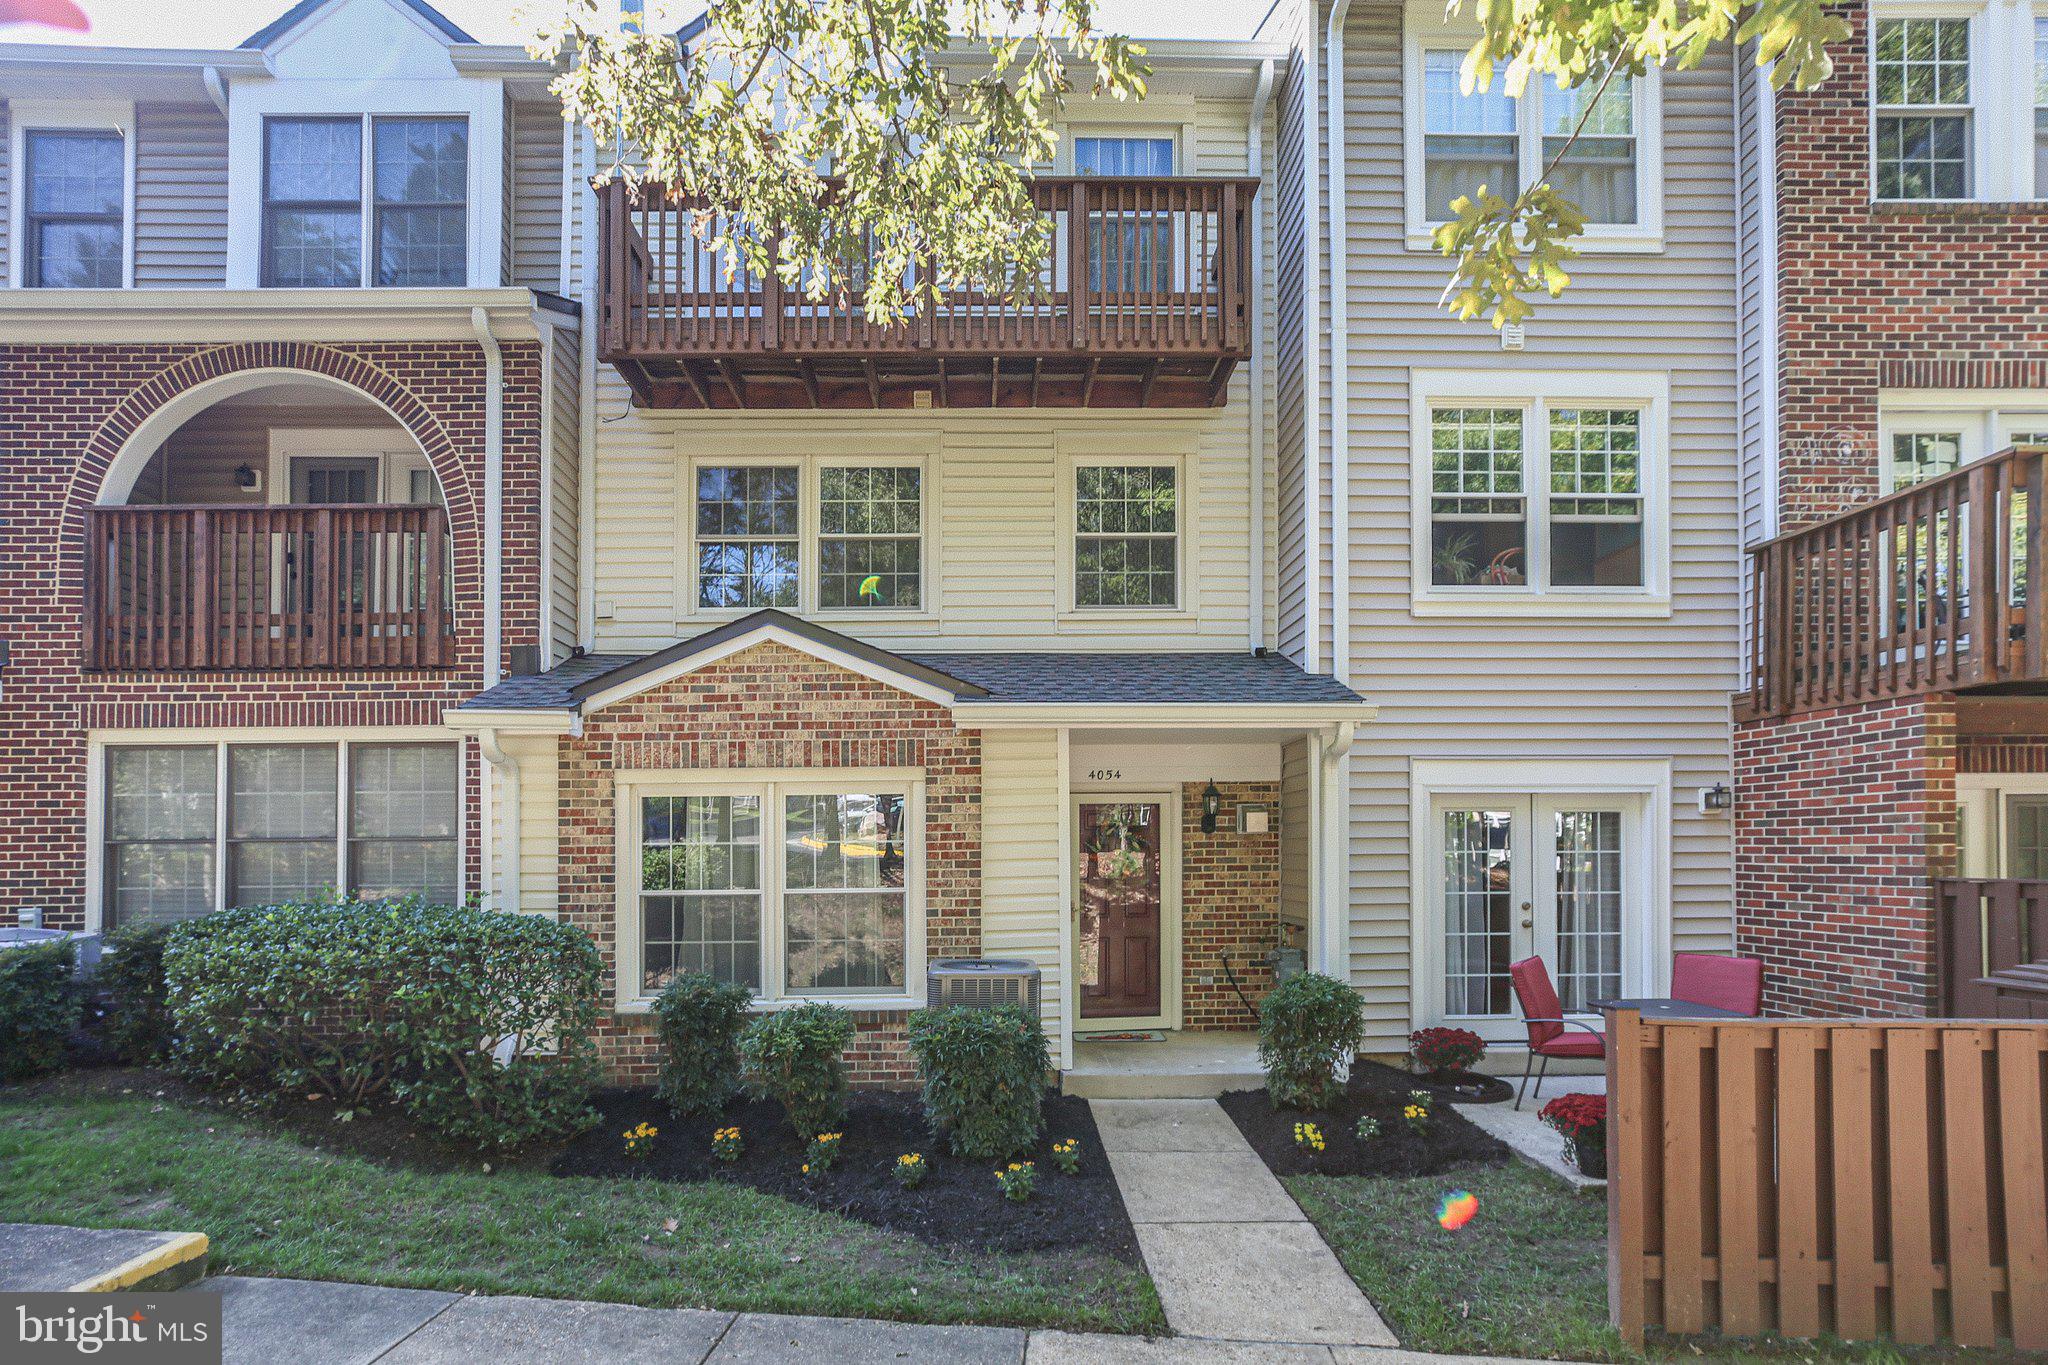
1841,818
2002,754
773,707
1230,905
1884,295
69,411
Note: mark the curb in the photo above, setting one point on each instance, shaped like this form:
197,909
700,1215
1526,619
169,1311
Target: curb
175,1264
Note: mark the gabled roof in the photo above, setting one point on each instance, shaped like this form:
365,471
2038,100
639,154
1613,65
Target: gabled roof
968,682
284,23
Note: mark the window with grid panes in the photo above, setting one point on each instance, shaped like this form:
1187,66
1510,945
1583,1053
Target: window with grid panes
1921,79
73,216
1596,497
1126,535
1479,506
870,529
314,196
749,533
700,889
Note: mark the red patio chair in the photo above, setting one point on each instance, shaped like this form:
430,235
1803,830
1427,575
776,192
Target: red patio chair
1729,983
1548,1028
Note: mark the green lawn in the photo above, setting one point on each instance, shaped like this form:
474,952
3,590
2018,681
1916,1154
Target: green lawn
274,1206
1526,1277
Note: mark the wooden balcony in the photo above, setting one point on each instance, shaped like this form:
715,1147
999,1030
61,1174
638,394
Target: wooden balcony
1145,303
184,589
1925,590
1991,949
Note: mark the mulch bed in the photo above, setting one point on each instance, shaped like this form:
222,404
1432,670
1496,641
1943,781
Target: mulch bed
959,1203
1381,1092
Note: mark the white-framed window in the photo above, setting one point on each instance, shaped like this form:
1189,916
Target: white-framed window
796,884
1127,522
186,828
1923,434
1958,100
845,535
1538,491
356,198
1456,142
71,194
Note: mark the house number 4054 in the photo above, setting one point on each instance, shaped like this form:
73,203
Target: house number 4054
1105,774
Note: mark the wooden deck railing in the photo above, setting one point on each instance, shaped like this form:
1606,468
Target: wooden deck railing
1868,1178
1986,926
267,587
1147,266
1924,590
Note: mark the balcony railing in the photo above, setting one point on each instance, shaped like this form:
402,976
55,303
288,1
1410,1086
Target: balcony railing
288,587
1925,590
1145,302
1992,932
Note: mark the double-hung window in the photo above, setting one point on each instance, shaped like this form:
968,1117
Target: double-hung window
841,535
1129,249
1540,489
191,828
351,198
796,885
1127,520
1597,143
74,186
1921,82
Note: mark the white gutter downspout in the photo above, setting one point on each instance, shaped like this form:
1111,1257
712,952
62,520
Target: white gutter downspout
1336,880
507,768
1340,355
1255,157
494,497
1311,388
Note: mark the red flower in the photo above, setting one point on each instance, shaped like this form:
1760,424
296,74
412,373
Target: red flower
1577,1116
1446,1049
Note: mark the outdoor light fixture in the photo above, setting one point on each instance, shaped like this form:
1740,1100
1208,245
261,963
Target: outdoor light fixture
245,478
1715,799
1212,803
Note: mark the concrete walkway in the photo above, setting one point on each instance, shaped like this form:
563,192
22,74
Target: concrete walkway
1522,1130
317,1323
1233,1256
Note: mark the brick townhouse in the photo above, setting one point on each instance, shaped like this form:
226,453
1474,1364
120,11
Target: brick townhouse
1896,286
389,509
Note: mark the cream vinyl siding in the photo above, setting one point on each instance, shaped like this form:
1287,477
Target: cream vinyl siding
533,195
1756,269
197,462
1023,814
181,196
566,438
1297,834
1506,686
1289,252
539,820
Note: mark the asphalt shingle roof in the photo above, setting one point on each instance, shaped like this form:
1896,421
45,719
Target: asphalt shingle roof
1077,679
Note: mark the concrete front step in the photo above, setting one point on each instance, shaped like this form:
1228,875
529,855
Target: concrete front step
44,1258
1179,1066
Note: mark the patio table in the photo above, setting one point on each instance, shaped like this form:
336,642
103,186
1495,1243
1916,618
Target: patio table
1663,1007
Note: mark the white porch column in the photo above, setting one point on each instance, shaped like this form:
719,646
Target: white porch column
1330,907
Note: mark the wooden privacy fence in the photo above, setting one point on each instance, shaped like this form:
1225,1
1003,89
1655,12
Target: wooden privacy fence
1863,1177
1987,926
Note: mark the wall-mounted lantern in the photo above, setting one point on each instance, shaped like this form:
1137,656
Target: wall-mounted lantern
1212,806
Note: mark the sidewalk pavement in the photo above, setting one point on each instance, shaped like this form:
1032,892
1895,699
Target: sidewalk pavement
318,1323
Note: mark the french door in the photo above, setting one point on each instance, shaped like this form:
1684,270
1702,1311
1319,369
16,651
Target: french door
1515,875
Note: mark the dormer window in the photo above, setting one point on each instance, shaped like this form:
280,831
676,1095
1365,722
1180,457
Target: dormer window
74,215
352,198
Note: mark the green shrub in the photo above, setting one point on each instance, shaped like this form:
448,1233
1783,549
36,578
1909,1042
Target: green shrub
698,1021
794,1056
448,1011
1308,1025
131,972
39,1006
984,1077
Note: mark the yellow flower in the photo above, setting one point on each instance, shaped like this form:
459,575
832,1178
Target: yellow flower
807,1168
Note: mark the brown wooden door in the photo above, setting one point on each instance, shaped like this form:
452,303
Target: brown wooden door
1118,946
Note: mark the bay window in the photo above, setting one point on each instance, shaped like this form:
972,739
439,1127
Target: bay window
1545,491
186,829
793,885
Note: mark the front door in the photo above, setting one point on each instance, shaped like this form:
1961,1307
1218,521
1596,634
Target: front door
1121,906
1517,875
